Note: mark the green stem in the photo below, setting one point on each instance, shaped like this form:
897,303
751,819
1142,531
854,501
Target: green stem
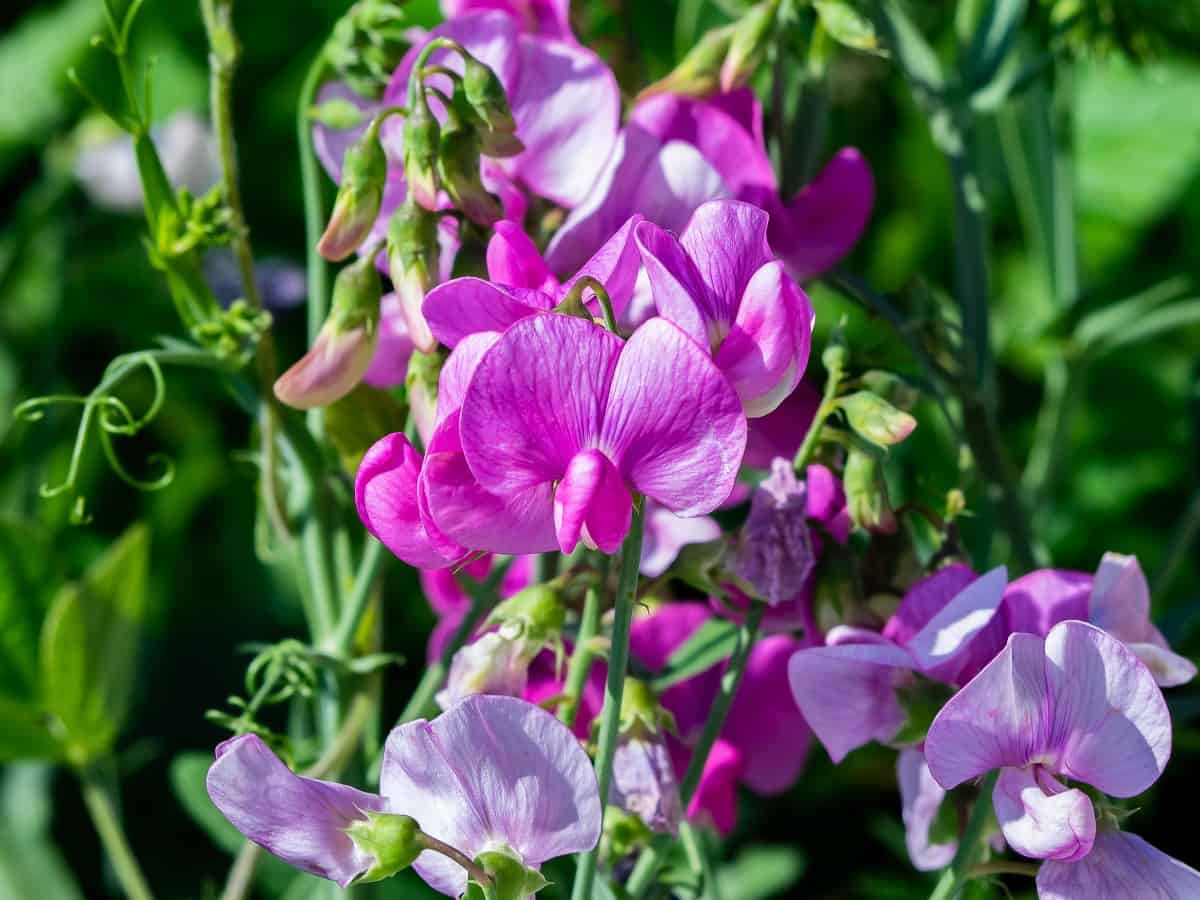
1003,867
360,596
809,446
970,845
647,865
102,808
1181,542
614,688
581,658
314,207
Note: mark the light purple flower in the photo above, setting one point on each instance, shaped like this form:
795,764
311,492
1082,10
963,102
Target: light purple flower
722,286
644,782
775,552
489,773
1120,865
521,285
920,799
677,152
847,689
493,664
1076,704
564,420
547,18
665,534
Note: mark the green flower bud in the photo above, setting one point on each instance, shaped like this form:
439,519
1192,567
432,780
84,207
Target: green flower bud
422,135
412,254
511,878
748,48
394,841
486,95
891,387
458,164
364,174
875,419
866,494
535,614
641,713
699,73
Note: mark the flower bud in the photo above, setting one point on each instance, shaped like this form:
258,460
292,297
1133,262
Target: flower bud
421,137
775,551
511,878
364,172
458,164
394,841
748,48
643,783
412,255
342,352
421,382
494,664
866,494
891,387
641,713
699,73
875,419
535,615
486,95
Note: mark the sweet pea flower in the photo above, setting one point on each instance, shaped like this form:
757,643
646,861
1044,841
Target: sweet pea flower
665,534
545,18
676,152
563,420
1120,865
520,284
644,783
721,284
920,799
493,664
775,551
1077,704
847,690
489,774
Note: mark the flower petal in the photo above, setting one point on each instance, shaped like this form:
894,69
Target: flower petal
943,646
591,501
615,265
1120,865
393,348
680,294
1041,818
920,799
1036,602
728,241
456,375
715,800
673,425
468,305
666,534
514,260
492,770
1169,669
781,431
300,820
924,600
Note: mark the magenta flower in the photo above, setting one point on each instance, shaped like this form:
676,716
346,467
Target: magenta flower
1077,704
781,431
847,690
521,285
1120,865
676,153
492,773
544,18
722,286
564,420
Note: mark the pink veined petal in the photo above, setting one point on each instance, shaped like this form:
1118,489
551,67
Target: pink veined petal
615,265
827,502
548,18
943,646
666,534
591,502
443,632
536,400
393,348
920,799
781,431
823,221
385,492
1120,865
1036,602
568,107
847,693
1120,599
924,600
300,820
1041,818
677,180
469,305
680,294
715,799
728,241
1110,722
457,372
492,770
513,259
672,424
766,351
772,763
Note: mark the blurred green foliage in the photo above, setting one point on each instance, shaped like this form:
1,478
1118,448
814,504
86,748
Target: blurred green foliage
76,290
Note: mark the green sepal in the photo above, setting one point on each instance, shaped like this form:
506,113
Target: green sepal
511,878
394,841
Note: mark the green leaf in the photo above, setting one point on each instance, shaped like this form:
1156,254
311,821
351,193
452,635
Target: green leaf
993,38
760,872
25,582
24,732
89,646
30,864
847,26
1161,321
1113,319
912,51
709,644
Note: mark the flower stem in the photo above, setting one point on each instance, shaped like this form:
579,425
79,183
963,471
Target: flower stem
610,716
360,596
970,845
581,658
314,210
647,865
808,447
474,871
97,795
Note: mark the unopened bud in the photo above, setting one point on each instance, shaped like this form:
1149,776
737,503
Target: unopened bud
412,254
393,841
875,419
342,352
421,382
641,713
891,387
699,73
458,164
775,554
643,782
364,173
535,615
836,356
486,95
494,664
422,135
748,48
866,493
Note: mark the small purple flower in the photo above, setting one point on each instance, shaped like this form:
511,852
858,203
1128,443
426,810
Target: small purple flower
644,782
491,773
1120,865
1076,704
721,284
546,18
666,534
920,799
775,552
493,664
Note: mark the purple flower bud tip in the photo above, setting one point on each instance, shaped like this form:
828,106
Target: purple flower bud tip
644,783
493,664
775,555
328,371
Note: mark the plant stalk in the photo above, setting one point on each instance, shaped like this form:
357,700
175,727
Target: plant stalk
970,845
98,797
